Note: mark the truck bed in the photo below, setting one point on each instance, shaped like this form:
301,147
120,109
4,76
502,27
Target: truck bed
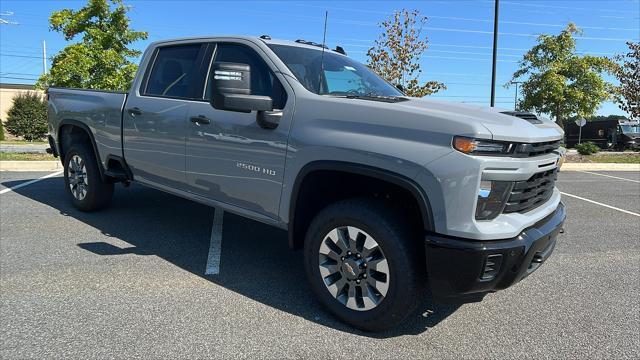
100,111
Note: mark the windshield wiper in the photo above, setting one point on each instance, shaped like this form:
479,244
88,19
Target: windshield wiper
384,98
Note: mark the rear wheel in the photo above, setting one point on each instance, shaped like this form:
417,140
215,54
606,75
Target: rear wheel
363,263
83,182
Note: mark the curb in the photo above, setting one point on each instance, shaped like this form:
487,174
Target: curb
26,165
599,167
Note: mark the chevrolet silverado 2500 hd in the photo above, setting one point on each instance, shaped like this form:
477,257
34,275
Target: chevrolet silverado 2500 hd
385,194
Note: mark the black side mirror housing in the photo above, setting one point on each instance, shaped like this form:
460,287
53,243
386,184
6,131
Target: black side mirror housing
400,87
231,89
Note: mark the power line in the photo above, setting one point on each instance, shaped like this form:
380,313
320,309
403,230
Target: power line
17,78
564,7
453,17
21,56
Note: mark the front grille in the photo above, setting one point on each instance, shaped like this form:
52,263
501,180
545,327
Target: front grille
536,149
529,194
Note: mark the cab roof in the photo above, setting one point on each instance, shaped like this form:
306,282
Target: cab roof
264,38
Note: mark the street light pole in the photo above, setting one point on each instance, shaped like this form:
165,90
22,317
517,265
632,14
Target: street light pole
495,53
515,99
44,57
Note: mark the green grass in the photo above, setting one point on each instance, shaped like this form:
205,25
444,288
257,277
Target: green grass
605,158
23,156
22,142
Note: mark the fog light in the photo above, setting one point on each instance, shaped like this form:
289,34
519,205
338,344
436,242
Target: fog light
492,198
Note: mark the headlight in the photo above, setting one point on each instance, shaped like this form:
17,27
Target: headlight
492,198
478,146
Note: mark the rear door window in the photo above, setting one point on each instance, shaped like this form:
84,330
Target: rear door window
173,71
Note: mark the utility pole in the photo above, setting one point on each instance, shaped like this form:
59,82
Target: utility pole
515,99
44,57
495,53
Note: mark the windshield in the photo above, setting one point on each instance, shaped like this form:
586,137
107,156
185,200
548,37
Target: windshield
340,76
630,129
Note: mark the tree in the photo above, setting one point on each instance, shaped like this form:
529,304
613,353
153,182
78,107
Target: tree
627,71
560,82
102,59
27,117
397,52
607,117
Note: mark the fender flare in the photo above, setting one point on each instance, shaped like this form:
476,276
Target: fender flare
377,173
87,130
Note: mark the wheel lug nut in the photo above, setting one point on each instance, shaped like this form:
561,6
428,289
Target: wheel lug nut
358,281
348,253
358,256
364,276
342,258
364,265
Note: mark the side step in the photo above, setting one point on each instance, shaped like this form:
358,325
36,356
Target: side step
116,174
117,169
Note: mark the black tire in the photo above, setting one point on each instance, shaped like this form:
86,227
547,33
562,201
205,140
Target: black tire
93,195
401,247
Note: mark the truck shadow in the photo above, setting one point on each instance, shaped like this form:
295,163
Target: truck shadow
256,261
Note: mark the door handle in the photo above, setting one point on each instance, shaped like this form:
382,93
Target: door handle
200,120
135,111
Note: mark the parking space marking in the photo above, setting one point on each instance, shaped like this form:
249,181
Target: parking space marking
611,176
215,246
601,204
4,191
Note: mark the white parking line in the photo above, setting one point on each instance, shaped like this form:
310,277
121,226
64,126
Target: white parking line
215,246
4,191
611,176
601,204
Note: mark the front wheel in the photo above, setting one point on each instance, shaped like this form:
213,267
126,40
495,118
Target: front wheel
364,264
82,179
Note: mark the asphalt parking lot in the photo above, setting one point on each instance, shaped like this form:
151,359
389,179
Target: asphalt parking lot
129,282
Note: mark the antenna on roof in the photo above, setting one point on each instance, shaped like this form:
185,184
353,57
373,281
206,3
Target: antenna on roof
324,45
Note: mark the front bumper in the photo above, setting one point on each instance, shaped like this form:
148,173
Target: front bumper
462,270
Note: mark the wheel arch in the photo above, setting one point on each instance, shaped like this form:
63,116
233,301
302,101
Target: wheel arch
296,226
86,131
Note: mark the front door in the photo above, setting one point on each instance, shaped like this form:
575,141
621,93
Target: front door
155,116
229,157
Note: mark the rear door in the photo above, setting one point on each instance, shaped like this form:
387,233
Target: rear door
155,115
230,158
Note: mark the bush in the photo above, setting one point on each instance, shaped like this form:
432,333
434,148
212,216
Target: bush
587,148
1,131
27,117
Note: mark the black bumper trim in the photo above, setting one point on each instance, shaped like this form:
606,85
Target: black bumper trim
455,266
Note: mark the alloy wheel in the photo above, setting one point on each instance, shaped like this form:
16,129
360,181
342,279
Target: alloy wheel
353,268
78,180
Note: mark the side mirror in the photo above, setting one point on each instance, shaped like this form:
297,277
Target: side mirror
231,89
400,87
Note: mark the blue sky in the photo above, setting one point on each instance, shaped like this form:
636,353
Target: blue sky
460,32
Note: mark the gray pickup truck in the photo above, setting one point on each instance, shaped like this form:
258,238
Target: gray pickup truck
386,194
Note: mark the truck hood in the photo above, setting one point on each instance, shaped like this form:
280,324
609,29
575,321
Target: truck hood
501,126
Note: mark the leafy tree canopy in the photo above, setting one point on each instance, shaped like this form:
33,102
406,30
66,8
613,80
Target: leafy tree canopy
608,117
627,71
558,81
397,52
102,59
